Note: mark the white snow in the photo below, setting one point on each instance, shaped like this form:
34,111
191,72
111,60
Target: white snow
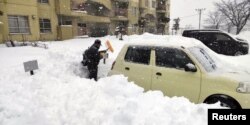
66,25
80,11
245,35
59,93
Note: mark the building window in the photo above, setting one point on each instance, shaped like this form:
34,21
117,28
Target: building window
18,24
43,1
45,25
153,4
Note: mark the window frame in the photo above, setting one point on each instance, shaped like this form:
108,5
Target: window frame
43,24
43,1
153,4
18,20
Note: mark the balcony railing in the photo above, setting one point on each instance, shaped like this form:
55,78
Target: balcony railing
94,9
121,12
161,7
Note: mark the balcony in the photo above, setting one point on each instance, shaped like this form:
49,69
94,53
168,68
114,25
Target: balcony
163,20
95,19
106,3
161,9
78,8
90,8
121,1
121,12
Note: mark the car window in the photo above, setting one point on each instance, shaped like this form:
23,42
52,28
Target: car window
203,37
203,57
222,37
172,58
138,54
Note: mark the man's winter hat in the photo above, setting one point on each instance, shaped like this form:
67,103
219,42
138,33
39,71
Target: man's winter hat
97,41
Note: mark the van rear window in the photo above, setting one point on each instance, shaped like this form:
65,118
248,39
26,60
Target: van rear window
138,54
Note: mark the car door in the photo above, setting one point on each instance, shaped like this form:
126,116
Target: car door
170,77
137,65
227,45
211,42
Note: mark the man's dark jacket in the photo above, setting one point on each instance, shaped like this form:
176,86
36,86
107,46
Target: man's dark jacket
93,56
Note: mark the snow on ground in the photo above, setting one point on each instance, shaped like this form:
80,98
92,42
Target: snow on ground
59,93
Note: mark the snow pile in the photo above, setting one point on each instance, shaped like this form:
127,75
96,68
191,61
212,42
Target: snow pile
49,101
235,63
60,94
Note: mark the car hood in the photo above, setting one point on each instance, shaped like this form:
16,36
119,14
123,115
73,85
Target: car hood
241,40
237,38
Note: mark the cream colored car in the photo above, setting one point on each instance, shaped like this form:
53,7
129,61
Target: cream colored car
182,71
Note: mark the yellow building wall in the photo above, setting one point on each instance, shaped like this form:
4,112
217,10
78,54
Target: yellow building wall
1,23
75,26
1,33
65,32
20,2
63,7
47,11
16,7
133,19
55,8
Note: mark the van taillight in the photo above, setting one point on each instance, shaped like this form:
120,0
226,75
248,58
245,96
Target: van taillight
113,65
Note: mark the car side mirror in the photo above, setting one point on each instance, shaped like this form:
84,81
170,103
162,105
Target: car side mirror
190,68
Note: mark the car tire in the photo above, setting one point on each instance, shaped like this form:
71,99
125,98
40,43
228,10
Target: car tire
224,102
238,53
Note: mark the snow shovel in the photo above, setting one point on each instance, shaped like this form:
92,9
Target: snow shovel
109,46
104,52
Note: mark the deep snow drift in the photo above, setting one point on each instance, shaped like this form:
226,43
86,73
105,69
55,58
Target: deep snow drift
59,93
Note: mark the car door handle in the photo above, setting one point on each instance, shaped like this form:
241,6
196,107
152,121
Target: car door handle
158,74
126,68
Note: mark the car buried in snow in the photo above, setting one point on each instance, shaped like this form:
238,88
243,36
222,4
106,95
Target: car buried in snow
178,70
219,41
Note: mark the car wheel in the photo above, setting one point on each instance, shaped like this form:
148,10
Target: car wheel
224,102
238,53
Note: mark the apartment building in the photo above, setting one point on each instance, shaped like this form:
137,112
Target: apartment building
32,20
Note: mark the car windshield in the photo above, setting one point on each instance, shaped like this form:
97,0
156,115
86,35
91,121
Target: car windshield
202,56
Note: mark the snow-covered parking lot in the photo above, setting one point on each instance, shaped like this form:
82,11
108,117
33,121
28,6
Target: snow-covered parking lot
59,93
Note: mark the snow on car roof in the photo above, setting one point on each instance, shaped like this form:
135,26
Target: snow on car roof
164,40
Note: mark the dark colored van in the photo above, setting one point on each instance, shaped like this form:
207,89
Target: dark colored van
220,42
